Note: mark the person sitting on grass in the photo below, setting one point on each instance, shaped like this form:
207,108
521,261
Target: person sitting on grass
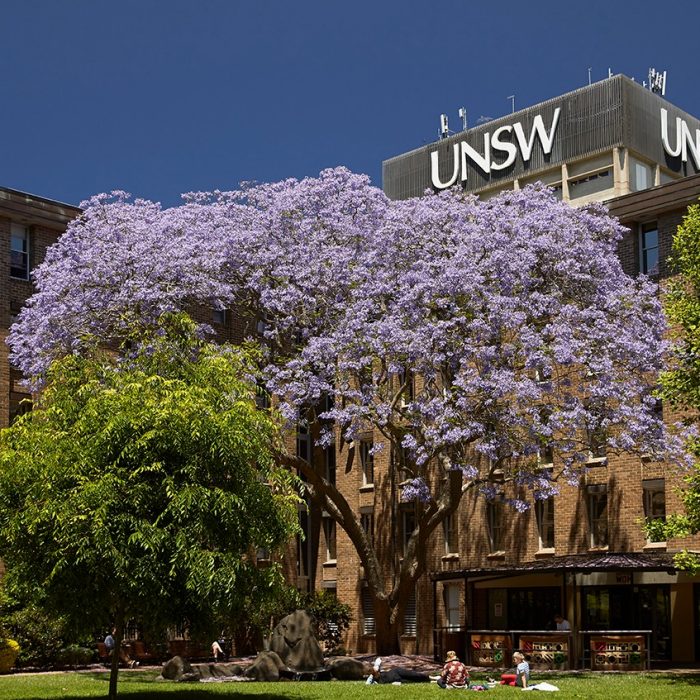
396,676
521,674
454,673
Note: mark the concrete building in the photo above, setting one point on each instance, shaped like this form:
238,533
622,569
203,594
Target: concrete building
598,142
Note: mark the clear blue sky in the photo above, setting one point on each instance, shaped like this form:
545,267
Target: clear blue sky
164,97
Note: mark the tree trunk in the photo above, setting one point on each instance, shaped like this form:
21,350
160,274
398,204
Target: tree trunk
387,633
116,655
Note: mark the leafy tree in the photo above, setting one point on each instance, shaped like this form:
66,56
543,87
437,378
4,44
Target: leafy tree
681,382
140,484
466,335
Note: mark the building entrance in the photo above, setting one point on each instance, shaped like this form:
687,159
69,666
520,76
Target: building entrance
631,608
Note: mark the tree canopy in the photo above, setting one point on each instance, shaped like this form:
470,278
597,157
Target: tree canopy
681,380
142,483
467,334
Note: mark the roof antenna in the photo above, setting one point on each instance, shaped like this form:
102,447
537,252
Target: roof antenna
463,117
444,128
512,102
589,74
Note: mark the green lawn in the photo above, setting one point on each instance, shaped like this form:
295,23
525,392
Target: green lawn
142,684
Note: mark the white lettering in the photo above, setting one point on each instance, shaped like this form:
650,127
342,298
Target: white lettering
690,145
673,152
684,140
434,173
481,161
547,140
498,144
504,146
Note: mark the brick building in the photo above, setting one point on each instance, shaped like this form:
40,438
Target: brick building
498,577
28,226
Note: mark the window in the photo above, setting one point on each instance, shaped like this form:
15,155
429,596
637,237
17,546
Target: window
598,515
410,625
545,456
368,627
544,513
19,252
399,461
367,523
449,528
451,595
19,405
406,379
494,519
219,316
654,494
367,461
408,525
597,444
329,535
591,183
326,405
330,464
303,441
649,249
303,544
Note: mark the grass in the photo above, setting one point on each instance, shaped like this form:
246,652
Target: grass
142,684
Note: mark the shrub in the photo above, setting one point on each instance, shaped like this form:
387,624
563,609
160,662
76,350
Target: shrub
40,636
75,655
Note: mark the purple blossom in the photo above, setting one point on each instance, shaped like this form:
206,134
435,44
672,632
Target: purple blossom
514,314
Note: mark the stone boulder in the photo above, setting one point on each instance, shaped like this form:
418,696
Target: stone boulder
174,669
266,667
293,640
344,668
217,670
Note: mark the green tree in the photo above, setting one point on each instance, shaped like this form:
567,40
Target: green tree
681,381
141,484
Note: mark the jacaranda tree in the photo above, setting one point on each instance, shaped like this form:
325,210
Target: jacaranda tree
467,334
141,486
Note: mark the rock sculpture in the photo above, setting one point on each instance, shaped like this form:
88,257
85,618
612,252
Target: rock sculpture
293,640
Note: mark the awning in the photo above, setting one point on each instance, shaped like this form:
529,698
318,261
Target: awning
574,563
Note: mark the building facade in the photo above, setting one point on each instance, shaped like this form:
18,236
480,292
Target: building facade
598,142
28,226
497,577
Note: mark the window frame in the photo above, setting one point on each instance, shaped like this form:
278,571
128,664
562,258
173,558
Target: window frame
451,595
330,537
410,616
409,519
597,516
495,525
643,229
450,532
24,253
366,456
650,489
369,627
544,518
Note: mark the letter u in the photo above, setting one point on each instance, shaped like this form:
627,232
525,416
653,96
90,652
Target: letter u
435,173
673,152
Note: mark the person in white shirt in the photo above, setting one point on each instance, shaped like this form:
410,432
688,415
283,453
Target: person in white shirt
562,624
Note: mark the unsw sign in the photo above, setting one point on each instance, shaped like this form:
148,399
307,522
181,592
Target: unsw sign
684,140
501,141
